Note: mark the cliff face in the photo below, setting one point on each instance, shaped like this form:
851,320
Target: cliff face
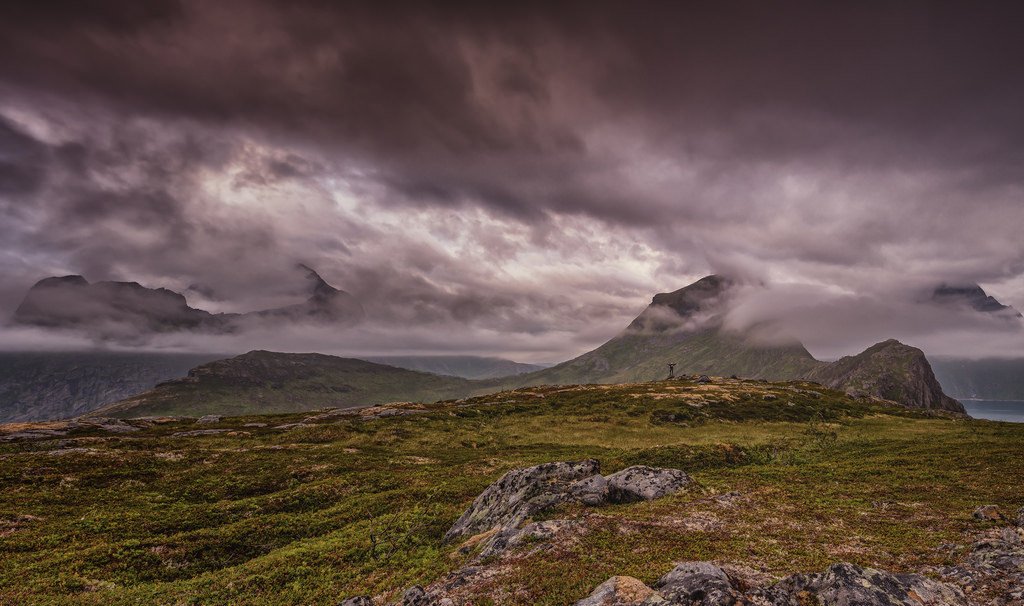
888,370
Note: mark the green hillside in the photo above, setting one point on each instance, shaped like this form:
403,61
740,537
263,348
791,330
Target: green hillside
634,356
262,382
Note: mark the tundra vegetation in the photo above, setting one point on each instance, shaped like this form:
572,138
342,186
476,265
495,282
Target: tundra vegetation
312,508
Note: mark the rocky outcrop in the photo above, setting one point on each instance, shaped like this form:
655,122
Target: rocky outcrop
843,584
994,566
849,585
891,371
522,493
696,583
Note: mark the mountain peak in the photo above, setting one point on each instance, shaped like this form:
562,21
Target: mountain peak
969,295
704,295
319,286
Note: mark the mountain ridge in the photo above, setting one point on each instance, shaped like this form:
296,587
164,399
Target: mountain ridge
128,311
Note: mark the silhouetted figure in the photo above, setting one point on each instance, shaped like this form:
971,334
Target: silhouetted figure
671,371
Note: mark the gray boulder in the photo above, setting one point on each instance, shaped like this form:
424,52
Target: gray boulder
846,584
520,494
1020,517
208,419
696,584
361,600
642,483
618,591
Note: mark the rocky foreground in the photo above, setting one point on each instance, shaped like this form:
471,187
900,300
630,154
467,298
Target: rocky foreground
497,524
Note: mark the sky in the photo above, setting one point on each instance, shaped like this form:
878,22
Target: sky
521,180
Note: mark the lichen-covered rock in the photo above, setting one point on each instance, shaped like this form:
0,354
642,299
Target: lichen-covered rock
509,538
519,494
988,513
696,584
1020,517
642,483
208,419
994,566
618,591
846,584
590,491
416,596
360,600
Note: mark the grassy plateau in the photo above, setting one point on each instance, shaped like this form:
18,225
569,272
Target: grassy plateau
346,505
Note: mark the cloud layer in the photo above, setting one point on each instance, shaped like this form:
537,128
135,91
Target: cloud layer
518,181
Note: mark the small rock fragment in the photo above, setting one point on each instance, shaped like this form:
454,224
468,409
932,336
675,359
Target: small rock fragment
989,513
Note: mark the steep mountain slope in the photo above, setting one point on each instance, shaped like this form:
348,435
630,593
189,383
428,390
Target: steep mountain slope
467,367
888,370
37,386
262,382
684,328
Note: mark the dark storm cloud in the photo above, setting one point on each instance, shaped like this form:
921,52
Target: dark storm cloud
870,147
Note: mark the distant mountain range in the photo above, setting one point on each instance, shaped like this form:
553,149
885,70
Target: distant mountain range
467,367
37,386
128,310
683,327
985,379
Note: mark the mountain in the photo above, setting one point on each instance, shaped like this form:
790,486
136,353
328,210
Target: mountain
889,370
129,311
467,367
262,382
971,296
989,379
683,327
36,386
71,301
984,379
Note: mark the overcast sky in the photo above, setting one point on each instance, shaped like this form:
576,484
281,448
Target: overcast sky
521,181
